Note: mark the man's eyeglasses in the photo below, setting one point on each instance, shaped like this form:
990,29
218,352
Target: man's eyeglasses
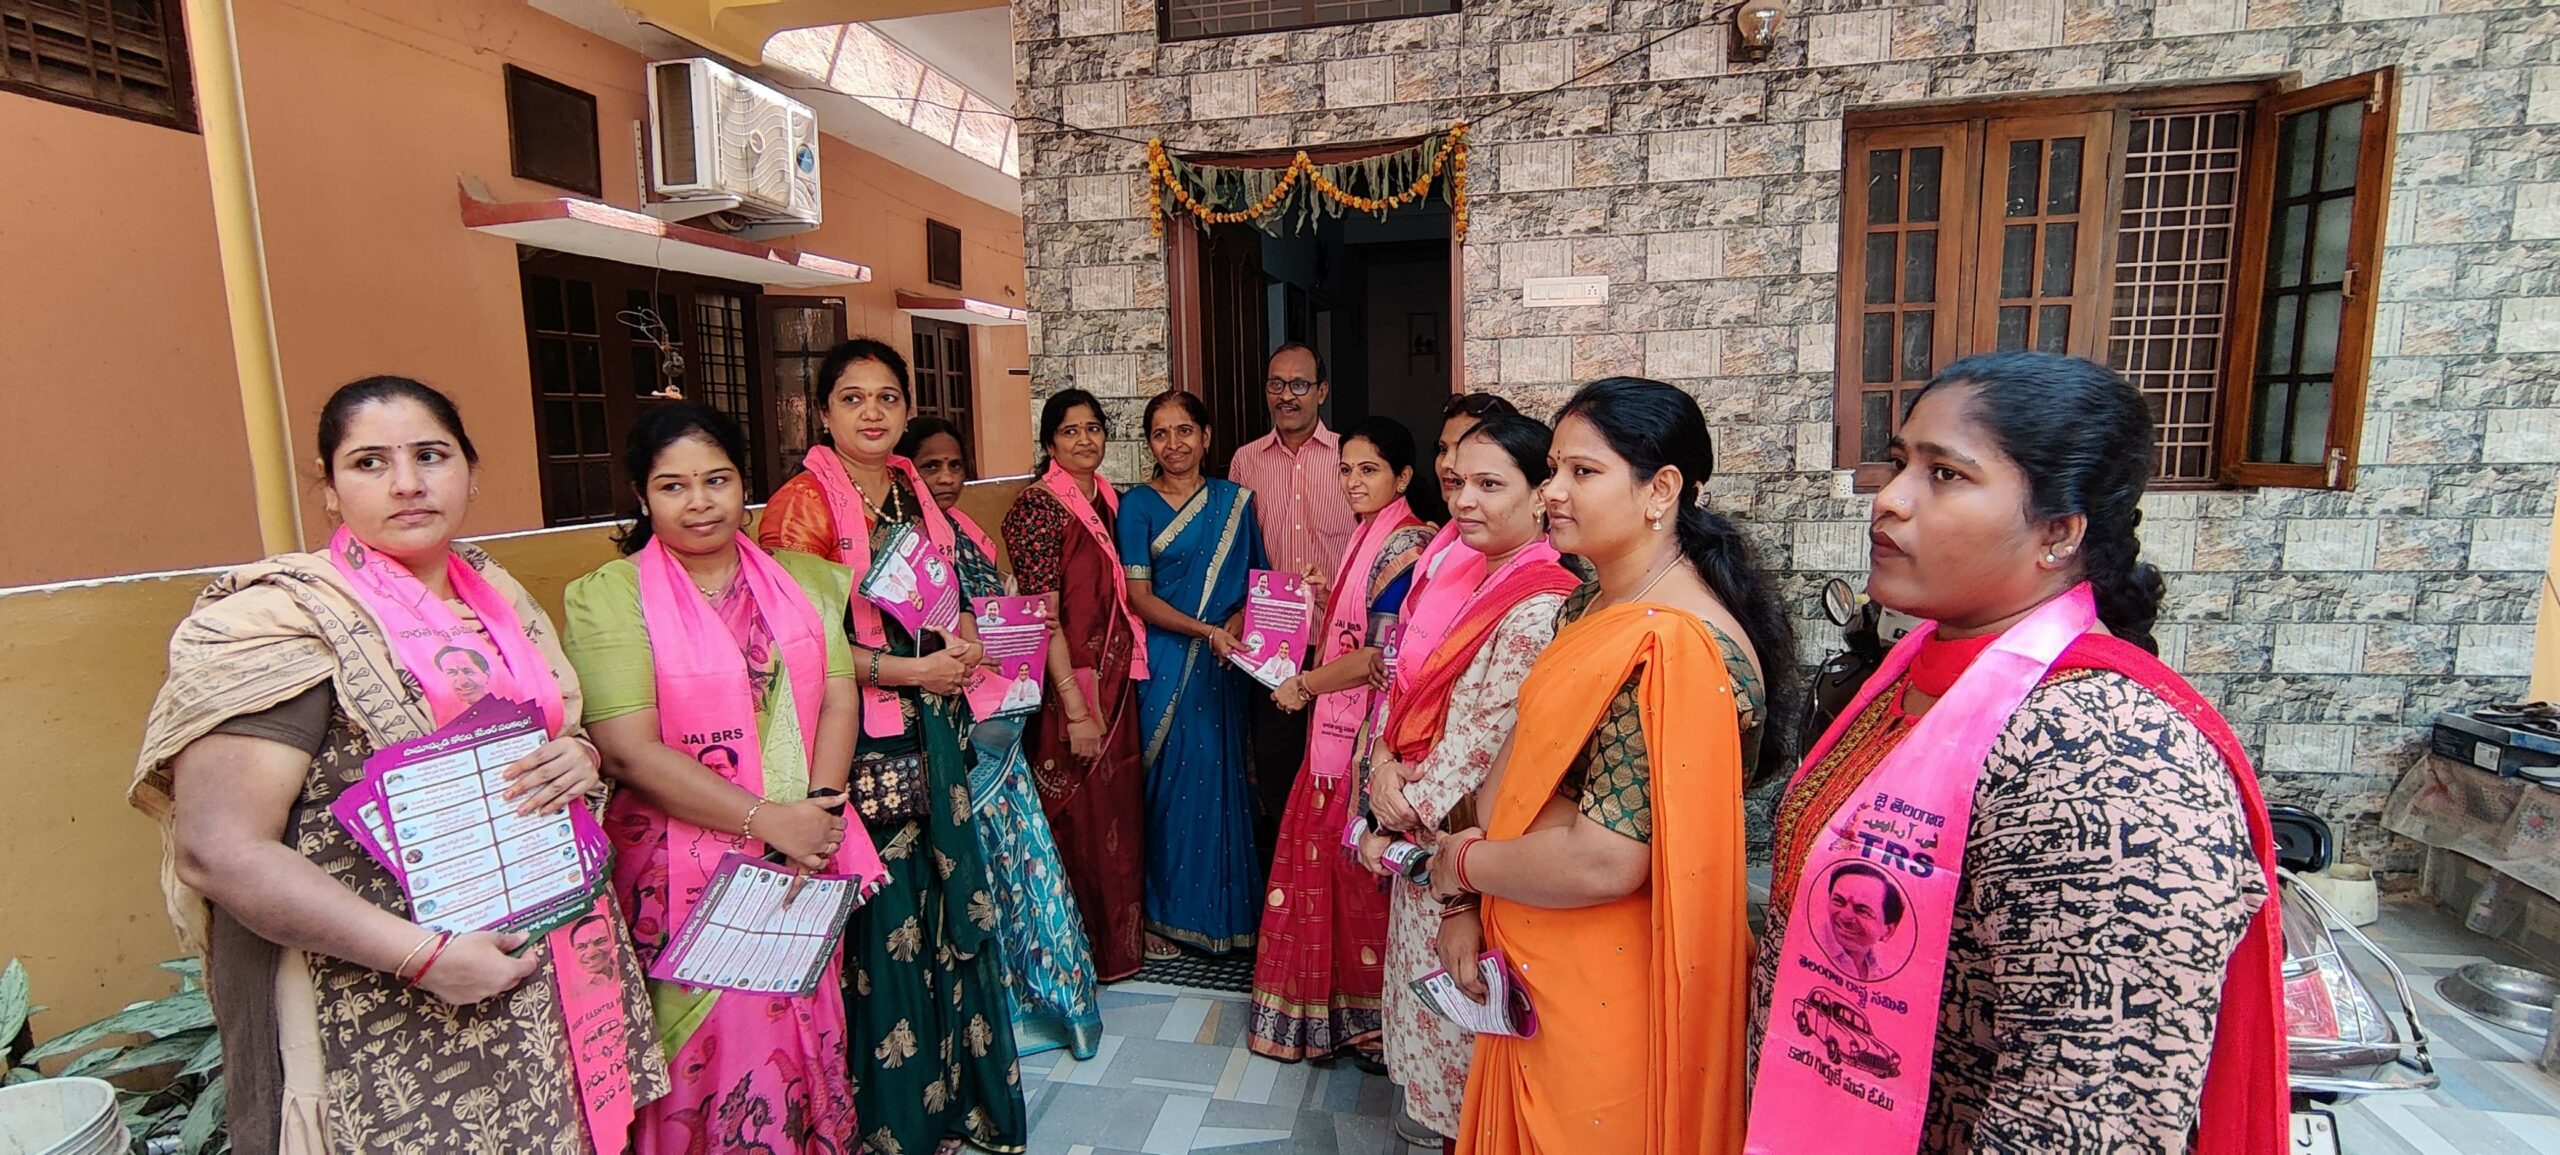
1294,387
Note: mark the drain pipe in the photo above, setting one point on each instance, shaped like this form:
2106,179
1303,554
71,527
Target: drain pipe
213,48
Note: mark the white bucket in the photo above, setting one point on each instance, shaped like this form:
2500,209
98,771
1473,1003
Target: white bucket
61,1117
2349,888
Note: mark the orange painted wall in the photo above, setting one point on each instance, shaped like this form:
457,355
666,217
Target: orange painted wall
362,115
879,210
114,352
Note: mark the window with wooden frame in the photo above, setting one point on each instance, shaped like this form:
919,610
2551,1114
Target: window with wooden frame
2215,245
942,380
942,254
126,58
1194,19
607,341
799,332
551,133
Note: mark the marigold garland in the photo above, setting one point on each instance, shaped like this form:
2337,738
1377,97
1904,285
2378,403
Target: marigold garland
1165,181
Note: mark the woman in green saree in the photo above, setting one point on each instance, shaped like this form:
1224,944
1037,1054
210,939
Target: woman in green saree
933,1053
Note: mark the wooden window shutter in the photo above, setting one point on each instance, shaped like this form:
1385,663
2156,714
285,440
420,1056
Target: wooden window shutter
942,254
2302,333
1905,221
2044,234
551,133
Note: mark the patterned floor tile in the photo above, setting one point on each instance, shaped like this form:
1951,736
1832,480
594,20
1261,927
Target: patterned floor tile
1173,1076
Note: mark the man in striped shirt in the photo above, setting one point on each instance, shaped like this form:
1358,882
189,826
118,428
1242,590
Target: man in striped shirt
1295,475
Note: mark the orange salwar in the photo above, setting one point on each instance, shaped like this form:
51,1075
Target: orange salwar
1641,1001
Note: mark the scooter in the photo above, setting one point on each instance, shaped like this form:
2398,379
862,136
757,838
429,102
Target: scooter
1869,630
2341,1043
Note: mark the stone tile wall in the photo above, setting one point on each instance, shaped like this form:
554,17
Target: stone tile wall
2332,627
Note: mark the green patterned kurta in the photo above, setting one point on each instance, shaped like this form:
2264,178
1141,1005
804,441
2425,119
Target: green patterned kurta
933,1050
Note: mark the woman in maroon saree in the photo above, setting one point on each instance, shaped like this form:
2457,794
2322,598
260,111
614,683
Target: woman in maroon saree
1084,744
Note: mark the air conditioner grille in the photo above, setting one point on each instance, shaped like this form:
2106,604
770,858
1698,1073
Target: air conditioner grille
675,125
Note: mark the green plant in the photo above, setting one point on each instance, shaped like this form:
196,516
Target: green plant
173,1032
14,1013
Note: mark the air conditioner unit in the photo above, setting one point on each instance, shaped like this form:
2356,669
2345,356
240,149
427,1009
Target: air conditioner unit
727,144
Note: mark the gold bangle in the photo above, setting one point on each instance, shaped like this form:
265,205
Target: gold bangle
401,972
747,829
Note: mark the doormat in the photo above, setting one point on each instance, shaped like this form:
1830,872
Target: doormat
1232,973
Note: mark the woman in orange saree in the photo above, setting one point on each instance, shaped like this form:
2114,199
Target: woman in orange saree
1611,862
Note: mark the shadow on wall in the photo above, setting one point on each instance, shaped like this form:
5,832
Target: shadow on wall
79,665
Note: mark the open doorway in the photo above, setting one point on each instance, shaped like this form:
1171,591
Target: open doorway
1372,297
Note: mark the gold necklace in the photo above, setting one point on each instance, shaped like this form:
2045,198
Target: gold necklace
1665,571
715,593
882,511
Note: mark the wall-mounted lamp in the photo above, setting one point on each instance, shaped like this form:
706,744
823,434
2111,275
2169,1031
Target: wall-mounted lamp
1755,30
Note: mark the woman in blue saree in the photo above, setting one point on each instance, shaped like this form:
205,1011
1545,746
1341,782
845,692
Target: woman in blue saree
1187,542
1048,966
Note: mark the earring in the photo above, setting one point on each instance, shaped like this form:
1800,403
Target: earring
2051,558
1657,523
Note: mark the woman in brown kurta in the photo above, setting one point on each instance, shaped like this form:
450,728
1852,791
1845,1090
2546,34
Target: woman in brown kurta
346,1026
1084,744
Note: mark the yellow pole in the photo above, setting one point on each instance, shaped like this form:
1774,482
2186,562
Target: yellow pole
214,47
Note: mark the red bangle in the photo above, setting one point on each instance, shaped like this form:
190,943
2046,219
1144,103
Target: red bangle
1461,864
442,941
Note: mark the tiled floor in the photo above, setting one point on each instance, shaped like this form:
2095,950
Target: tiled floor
1173,1076
2492,1101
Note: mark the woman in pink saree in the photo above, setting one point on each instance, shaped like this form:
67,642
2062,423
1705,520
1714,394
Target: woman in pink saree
724,702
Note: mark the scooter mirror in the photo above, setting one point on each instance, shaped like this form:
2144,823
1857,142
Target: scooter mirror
1839,602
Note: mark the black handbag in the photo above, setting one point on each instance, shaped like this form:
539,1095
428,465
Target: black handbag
890,788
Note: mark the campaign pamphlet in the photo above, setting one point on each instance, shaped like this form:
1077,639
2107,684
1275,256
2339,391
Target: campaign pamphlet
742,936
1277,620
1504,1011
913,582
434,812
1015,632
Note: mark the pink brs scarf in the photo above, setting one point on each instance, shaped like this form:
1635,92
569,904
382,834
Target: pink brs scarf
1846,1063
1339,715
1063,487
881,717
706,699
454,665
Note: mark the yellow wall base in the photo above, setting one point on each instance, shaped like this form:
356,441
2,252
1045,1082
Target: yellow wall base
79,666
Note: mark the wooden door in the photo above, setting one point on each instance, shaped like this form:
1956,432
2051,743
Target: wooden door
1235,341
